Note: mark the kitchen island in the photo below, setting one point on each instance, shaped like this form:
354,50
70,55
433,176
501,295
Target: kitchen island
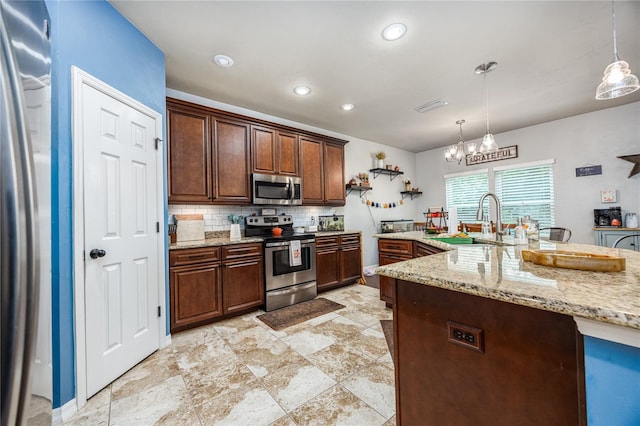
485,338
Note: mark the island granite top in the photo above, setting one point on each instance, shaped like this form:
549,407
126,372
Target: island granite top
498,272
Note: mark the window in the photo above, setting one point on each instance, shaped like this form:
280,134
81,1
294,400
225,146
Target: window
463,192
526,191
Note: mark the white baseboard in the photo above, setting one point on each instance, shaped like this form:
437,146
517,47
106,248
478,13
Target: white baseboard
165,342
59,415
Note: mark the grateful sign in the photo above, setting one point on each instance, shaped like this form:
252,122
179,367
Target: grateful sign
499,154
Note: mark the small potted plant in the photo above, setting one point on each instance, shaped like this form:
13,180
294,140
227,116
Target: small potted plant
407,184
364,178
380,156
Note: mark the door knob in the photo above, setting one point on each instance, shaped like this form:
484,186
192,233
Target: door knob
96,253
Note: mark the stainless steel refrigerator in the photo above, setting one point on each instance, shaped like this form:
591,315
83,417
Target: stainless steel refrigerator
25,213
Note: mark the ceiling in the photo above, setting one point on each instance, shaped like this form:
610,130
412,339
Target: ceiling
551,57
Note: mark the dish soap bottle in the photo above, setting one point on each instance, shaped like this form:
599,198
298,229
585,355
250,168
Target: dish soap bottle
520,236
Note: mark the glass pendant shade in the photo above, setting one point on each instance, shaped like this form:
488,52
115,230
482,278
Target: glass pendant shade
488,143
617,81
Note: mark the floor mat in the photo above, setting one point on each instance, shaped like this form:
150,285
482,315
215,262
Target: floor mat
300,312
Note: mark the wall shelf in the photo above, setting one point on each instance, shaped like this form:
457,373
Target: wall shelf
392,173
359,188
411,194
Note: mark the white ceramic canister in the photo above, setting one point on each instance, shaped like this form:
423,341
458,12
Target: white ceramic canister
631,220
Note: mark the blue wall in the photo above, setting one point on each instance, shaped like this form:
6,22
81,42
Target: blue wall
93,36
612,375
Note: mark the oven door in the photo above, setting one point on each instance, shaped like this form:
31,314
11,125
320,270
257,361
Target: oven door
278,272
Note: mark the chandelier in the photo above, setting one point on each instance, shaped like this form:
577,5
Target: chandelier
460,150
618,80
488,141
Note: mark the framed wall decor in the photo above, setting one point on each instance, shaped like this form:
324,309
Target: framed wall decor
608,196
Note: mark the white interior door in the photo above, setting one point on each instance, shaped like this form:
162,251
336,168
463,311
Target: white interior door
121,229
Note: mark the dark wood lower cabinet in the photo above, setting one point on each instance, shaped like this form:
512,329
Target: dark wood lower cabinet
242,285
327,267
529,370
350,263
211,283
396,250
386,283
196,295
338,260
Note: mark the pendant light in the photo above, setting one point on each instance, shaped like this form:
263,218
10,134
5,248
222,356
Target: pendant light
618,80
488,141
460,150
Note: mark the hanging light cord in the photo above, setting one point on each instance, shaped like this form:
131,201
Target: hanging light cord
486,88
615,44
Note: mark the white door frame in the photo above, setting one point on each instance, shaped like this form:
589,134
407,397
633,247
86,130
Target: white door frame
79,78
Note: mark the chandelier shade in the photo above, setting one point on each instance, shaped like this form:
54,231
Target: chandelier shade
461,149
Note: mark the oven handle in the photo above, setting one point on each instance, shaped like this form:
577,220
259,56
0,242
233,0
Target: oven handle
303,243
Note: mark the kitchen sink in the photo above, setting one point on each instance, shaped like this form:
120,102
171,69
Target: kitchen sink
486,241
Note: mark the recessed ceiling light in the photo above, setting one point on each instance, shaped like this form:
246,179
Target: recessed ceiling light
347,107
302,90
223,60
394,31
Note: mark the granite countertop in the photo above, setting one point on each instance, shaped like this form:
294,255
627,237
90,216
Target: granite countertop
213,242
498,272
213,239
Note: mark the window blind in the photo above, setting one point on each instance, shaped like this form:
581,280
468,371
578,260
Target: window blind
463,192
526,191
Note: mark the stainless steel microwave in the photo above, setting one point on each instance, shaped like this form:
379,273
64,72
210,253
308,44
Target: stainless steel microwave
276,189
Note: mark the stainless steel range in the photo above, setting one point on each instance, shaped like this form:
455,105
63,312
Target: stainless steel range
288,279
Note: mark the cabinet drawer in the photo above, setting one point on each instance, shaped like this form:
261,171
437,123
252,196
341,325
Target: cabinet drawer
350,239
426,250
236,251
326,242
396,246
193,256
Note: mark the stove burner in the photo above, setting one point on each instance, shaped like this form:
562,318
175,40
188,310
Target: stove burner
261,226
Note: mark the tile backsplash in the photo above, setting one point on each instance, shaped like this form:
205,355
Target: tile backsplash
215,217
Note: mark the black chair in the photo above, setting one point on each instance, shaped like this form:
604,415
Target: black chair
633,244
555,234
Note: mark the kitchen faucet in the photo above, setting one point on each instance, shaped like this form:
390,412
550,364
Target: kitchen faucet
480,215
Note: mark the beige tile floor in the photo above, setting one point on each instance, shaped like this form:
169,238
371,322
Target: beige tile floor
332,370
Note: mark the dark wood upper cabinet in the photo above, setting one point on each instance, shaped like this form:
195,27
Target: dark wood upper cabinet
189,155
322,172
287,157
273,151
334,192
212,153
263,150
312,167
231,153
